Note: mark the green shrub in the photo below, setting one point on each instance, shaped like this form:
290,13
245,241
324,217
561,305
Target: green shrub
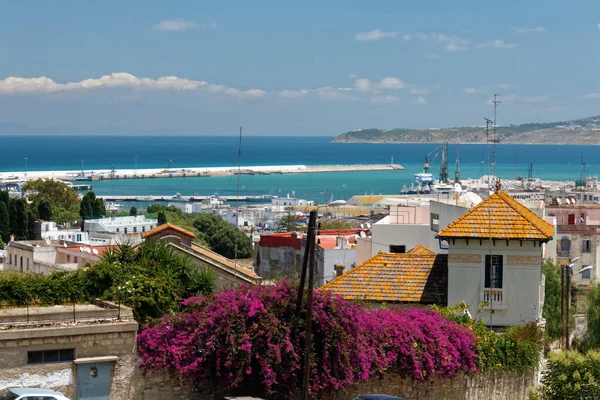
152,279
517,349
572,375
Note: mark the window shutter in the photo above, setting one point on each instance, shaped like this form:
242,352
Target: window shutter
488,281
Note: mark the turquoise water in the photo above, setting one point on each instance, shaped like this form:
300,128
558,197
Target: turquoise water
552,162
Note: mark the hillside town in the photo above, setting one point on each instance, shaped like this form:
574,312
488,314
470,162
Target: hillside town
86,292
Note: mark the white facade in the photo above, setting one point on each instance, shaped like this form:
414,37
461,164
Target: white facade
126,225
516,297
291,202
52,231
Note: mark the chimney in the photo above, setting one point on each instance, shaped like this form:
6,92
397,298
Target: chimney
339,269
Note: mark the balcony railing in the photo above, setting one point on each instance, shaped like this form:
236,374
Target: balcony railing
564,253
492,298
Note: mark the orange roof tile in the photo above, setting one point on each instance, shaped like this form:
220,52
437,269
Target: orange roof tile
224,260
166,226
499,217
421,250
417,277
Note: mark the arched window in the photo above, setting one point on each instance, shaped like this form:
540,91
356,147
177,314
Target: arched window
565,246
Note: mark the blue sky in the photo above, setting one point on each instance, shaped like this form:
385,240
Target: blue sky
303,68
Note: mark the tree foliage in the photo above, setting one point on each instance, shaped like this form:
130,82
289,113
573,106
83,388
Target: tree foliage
152,279
288,223
63,199
45,210
162,218
592,339
91,206
18,218
552,298
4,223
253,336
133,211
571,376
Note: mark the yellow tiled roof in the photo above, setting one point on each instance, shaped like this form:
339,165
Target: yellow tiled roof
499,217
421,250
419,276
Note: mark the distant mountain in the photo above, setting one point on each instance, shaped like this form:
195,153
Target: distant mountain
577,131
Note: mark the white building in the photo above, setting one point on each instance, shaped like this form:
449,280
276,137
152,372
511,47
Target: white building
291,202
130,224
53,231
495,257
411,222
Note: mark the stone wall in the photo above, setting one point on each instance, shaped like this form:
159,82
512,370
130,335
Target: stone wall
489,386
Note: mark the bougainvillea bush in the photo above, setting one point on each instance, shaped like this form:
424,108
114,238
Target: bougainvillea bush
253,335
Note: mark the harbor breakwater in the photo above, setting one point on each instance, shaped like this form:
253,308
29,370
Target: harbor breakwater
98,175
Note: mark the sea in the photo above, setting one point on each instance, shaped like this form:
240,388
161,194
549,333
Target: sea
53,153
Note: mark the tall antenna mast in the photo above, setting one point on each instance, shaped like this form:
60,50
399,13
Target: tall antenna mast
495,140
487,140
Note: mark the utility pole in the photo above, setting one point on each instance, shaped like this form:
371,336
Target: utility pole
308,263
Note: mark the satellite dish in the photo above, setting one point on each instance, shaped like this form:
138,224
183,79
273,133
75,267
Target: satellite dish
369,225
362,226
64,245
81,249
473,198
48,242
363,234
457,187
95,252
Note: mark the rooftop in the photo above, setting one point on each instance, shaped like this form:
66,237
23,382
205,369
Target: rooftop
499,217
418,276
165,227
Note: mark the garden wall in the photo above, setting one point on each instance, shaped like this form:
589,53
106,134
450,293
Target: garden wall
489,386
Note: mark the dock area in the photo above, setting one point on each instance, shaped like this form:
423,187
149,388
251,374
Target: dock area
184,199
98,175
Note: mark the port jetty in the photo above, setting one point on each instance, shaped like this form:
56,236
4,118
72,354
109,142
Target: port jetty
98,175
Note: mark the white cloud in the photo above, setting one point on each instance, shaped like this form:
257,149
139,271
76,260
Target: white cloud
496,44
537,29
421,100
591,96
433,56
391,83
362,85
418,91
505,86
451,43
385,99
375,34
353,76
471,90
45,85
598,26
176,25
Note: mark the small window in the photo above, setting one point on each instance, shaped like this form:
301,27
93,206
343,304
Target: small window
75,259
68,258
435,222
143,229
125,230
586,274
10,259
493,272
394,248
134,229
50,356
586,246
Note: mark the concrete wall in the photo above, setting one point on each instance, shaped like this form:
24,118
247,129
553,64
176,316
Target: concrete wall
326,261
278,262
588,258
363,250
521,294
410,235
